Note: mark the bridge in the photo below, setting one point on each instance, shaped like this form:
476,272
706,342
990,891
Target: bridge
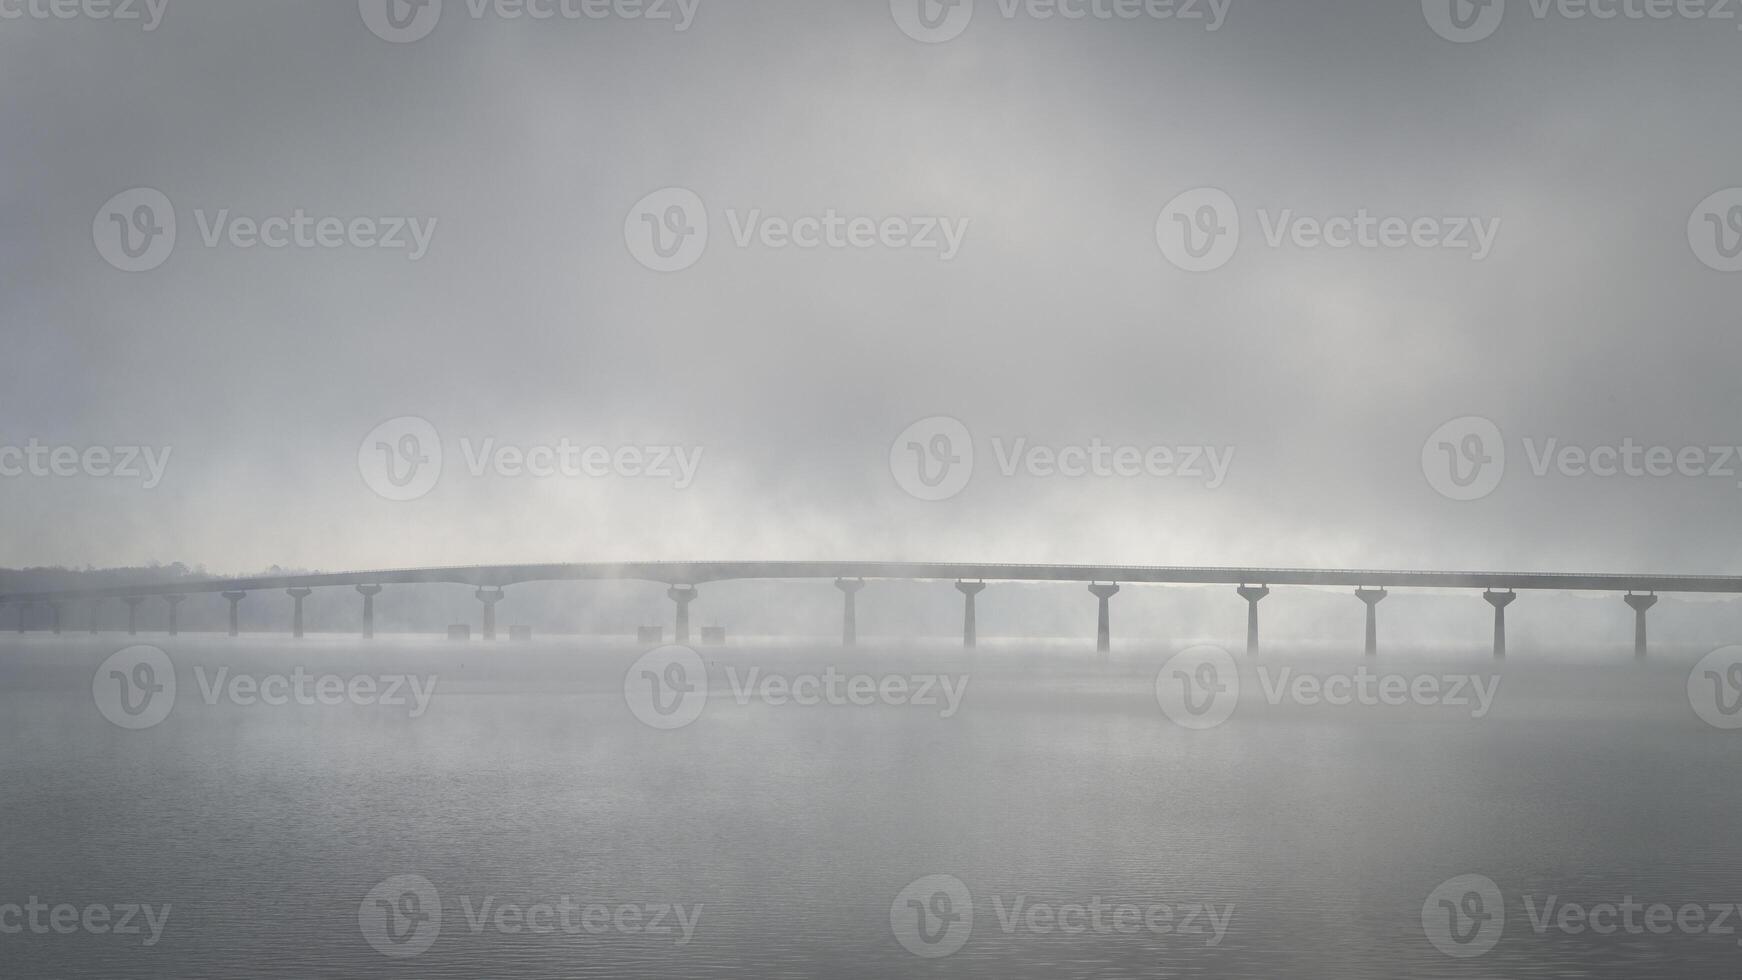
684,579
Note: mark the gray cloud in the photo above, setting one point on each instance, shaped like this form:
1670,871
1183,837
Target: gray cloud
1060,322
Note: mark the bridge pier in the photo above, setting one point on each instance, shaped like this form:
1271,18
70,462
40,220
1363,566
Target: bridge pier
297,595
970,630
54,609
1103,621
489,599
1372,598
96,614
133,602
683,595
1252,595
368,592
174,602
23,609
1640,604
235,619
1499,600
849,610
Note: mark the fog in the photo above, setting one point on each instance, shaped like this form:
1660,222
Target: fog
522,147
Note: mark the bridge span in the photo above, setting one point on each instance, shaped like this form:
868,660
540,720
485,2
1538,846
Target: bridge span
683,580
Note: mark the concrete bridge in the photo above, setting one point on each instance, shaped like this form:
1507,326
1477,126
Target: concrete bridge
684,579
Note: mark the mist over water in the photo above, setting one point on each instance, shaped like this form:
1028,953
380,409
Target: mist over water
1315,831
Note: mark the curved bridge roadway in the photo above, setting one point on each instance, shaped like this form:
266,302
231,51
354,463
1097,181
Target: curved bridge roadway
682,578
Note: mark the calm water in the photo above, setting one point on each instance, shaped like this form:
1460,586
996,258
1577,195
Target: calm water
785,833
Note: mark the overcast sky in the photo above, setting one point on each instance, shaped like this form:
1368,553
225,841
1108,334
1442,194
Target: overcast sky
1051,147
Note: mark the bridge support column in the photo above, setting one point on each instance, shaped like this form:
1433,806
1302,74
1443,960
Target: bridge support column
1499,600
849,610
970,630
1103,621
54,609
175,602
23,609
235,619
489,599
1372,598
1252,595
96,614
683,595
1640,604
297,596
133,602
368,592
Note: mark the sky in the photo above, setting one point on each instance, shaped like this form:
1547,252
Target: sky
997,211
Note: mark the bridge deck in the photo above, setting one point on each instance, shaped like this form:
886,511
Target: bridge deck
694,573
